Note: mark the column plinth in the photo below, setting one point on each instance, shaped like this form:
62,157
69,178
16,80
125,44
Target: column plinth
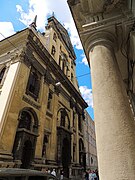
115,130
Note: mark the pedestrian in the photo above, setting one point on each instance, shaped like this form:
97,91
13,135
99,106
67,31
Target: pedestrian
96,171
86,175
53,172
93,176
90,175
61,174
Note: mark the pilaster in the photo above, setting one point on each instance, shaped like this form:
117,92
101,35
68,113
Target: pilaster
53,136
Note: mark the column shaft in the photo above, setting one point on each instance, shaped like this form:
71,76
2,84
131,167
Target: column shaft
115,130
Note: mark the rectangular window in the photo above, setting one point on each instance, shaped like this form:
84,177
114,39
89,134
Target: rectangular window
49,104
34,82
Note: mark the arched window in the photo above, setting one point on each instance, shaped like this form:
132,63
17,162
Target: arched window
25,120
54,37
81,151
26,136
63,118
53,50
2,72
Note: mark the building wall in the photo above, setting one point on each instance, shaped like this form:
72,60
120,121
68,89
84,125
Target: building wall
49,42
90,142
42,118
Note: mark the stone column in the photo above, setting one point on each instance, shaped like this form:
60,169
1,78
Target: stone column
115,130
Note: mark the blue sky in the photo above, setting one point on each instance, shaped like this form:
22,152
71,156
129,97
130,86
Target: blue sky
16,15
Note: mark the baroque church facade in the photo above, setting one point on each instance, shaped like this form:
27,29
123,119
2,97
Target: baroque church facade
42,110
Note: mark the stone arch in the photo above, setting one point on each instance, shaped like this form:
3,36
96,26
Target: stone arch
26,137
33,115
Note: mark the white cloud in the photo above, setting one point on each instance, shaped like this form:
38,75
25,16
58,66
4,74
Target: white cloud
87,95
73,34
84,60
46,7
6,29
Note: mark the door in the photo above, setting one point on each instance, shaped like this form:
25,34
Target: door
26,154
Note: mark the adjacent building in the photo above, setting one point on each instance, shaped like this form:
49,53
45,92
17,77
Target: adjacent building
90,143
41,109
107,32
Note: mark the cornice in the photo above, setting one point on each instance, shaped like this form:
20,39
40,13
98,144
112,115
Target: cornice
13,56
105,23
96,12
14,42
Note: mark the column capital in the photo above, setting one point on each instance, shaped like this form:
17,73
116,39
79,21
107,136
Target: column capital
104,38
